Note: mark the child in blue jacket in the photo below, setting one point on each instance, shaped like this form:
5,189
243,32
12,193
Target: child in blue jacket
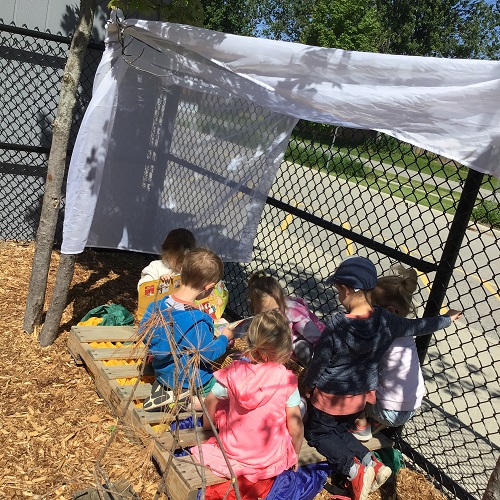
182,341
343,373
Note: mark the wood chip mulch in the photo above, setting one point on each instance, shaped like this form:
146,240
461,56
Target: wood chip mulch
53,425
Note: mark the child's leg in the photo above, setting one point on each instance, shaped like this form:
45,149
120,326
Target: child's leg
362,428
195,400
331,439
195,403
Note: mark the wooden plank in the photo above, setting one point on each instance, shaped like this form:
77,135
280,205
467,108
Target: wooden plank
127,371
158,417
102,353
111,334
142,391
187,437
74,347
184,476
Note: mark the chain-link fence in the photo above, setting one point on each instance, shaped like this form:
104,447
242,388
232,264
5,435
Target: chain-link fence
339,192
344,192
32,65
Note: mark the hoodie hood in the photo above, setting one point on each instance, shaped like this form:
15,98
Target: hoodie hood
358,334
246,381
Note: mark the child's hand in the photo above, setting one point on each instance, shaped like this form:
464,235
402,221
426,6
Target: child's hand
166,278
454,314
308,391
228,332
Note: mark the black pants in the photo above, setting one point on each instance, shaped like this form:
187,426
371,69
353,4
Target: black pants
330,436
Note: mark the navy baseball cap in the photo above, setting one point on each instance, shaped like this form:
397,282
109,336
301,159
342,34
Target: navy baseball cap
355,272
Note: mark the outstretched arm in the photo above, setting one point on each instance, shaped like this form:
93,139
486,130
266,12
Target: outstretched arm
296,429
454,314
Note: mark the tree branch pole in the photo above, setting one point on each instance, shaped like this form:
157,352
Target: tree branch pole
492,491
56,168
58,301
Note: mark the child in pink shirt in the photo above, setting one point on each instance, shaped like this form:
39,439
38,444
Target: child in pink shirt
266,294
255,407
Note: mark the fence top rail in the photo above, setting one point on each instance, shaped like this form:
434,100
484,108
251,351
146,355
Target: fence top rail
10,28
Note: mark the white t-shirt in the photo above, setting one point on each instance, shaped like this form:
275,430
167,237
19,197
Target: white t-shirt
154,271
401,385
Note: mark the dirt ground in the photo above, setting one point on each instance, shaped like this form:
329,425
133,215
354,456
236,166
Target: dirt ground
55,430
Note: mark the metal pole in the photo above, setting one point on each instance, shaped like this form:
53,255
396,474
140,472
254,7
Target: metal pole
450,253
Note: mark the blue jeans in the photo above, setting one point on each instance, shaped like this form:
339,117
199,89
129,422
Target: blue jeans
391,418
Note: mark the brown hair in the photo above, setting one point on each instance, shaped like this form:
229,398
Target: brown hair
397,290
260,286
175,247
269,338
201,267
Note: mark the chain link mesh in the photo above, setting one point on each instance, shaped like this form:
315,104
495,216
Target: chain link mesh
32,64
338,192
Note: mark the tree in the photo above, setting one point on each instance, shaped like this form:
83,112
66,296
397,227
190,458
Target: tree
492,491
56,167
176,11
182,11
238,17
344,24
478,33
443,28
284,20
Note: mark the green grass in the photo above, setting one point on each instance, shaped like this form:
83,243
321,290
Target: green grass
394,152
345,167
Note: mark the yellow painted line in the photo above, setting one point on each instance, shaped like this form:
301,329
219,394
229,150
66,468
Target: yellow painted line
288,219
348,243
487,284
491,289
286,222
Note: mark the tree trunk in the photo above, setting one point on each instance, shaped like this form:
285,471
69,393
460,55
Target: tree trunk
492,491
56,167
50,329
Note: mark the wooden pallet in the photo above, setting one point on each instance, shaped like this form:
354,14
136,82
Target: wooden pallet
113,357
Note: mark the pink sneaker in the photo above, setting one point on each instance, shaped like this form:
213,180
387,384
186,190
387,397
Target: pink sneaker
362,433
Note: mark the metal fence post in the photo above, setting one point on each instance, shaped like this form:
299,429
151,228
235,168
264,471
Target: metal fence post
450,253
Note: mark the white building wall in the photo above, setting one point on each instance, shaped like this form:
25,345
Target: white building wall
57,16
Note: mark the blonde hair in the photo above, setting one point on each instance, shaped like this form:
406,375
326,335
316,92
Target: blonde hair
269,338
397,291
261,286
200,268
175,247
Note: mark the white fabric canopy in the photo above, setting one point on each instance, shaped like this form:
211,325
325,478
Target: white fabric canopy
186,114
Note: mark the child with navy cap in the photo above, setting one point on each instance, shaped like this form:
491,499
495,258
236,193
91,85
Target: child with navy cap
343,373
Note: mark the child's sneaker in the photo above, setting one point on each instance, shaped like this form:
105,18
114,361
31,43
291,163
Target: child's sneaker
382,473
377,426
161,398
362,433
362,483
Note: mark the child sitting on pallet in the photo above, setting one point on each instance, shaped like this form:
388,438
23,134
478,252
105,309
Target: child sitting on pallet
174,248
181,337
254,404
343,373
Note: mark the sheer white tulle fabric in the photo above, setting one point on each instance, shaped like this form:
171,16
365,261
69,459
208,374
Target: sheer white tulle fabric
187,127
